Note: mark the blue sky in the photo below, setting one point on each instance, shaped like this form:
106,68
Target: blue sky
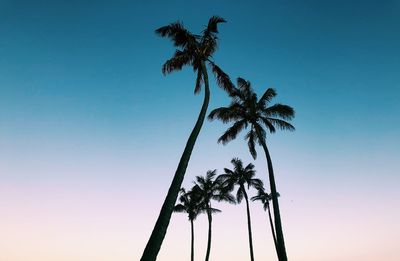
83,99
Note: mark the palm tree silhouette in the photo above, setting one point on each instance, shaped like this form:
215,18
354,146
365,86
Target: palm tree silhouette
264,197
241,176
189,203
208,188
246,110
195,51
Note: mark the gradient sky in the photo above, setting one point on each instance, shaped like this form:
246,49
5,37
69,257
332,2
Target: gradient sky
91,131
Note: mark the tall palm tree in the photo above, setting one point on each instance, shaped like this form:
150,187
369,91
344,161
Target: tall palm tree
189,204
241,176
246,110
208,188
264,197
195,51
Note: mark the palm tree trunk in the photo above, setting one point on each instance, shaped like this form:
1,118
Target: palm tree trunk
209,234
277,216
160,229
249,226
271,223
192,242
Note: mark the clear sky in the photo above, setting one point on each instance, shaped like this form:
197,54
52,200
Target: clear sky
91,131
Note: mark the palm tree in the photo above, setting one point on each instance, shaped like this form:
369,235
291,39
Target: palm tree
189,204
246,110
208,188
264,197
241,176
195,51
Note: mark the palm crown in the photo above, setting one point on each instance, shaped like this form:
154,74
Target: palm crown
188,204
241,176
208,188
247,110
264,197
194,50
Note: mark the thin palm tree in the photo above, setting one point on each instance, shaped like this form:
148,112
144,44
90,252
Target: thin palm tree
264,197
208,188
246,110
195,51
189,204
241,176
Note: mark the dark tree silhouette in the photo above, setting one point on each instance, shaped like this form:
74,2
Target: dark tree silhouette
208,188
246,110
264,197
189,204
195,51
241,176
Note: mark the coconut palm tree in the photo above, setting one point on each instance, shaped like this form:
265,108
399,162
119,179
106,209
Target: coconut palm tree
208,188
241,176
264,197
189,204
247,111
195,51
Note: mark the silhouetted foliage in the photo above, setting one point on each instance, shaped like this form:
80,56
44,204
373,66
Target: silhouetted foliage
241,176
264,197
190,204
247,111
195,51
208,188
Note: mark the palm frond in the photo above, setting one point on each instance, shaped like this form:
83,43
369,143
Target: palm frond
199,180
232,132
267,97
213,22
250,169
239,194
279,110
177,33
281,124
243,84
268,124
237,164
226,196
226,114
180,208
255,183
222,78
251,137
199,81
176,63
214,210
210,175
216,114
261,132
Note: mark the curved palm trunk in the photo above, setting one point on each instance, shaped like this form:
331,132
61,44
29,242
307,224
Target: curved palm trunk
249,226
271,223
277,216
209,234
160,229
192,241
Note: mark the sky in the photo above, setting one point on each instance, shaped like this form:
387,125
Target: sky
91,131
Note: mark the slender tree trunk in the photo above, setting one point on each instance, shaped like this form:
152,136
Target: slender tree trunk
249,225
160,229
277,216
192,242
271,223
209,234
